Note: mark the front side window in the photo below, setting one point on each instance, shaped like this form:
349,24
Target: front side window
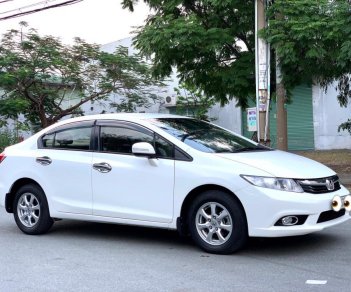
70,139
121,140
163,148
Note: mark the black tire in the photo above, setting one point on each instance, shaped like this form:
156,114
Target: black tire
31,211
211,230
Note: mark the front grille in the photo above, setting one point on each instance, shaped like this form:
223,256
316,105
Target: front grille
330,215
320,185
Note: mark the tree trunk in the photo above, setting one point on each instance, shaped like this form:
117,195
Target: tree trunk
282,124
43,119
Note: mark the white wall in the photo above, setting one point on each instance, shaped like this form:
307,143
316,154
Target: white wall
158,107
126,42
327,116
228,117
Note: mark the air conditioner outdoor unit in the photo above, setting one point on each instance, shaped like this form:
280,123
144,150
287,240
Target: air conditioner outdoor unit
170,100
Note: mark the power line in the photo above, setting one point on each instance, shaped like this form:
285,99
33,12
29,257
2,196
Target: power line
22,13
27,6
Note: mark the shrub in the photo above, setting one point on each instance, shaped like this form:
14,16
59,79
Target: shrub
7,138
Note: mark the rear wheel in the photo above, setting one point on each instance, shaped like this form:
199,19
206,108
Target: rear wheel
217,222
31,210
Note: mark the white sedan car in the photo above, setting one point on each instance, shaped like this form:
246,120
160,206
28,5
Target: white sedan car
171,172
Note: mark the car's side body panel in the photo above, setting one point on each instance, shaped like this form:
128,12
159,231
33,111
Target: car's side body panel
62,188
130,190
67,180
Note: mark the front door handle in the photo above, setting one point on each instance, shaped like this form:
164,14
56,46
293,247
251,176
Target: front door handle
44,160
102,167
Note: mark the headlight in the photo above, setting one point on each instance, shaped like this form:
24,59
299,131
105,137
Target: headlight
282,184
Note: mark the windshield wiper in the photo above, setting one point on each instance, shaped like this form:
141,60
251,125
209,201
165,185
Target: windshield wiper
257,148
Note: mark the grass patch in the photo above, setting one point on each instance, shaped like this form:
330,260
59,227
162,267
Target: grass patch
338,160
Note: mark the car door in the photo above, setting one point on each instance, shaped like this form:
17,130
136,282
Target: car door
64,162
128,186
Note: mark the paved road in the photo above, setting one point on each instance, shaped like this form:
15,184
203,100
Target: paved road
79,256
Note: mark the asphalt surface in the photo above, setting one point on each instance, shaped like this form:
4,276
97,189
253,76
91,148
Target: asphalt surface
80,256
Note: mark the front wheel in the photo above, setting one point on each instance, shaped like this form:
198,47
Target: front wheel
217,222
31,210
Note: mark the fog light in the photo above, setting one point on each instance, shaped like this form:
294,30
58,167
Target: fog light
289,220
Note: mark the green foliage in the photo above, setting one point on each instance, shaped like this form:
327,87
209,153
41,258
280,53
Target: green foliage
312,39
7,138
210,42
193,102
39,77
346,126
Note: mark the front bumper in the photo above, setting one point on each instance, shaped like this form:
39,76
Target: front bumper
264,207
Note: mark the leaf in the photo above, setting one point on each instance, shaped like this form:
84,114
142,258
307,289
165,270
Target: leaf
45,80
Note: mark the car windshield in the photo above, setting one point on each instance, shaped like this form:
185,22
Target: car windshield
206,137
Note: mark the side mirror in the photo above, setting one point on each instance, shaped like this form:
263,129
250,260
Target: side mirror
143,149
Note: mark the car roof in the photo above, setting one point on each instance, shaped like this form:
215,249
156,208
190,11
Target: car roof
121,116
130,117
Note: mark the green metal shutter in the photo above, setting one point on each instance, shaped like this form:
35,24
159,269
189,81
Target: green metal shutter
300,120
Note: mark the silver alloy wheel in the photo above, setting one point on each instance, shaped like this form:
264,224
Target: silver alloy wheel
28,209
214,223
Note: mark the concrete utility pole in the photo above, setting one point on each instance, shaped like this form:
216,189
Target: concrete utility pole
262,76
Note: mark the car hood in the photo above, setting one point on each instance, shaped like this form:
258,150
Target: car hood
281,164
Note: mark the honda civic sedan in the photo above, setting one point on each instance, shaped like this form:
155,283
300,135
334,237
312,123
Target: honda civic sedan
171,172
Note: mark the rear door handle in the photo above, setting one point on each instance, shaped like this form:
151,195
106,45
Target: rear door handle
102,167
44,160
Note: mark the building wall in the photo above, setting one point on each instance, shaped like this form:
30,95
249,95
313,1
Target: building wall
327,116
158,107
228,117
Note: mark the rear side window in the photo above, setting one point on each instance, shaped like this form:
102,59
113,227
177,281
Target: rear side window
48,140
70,139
